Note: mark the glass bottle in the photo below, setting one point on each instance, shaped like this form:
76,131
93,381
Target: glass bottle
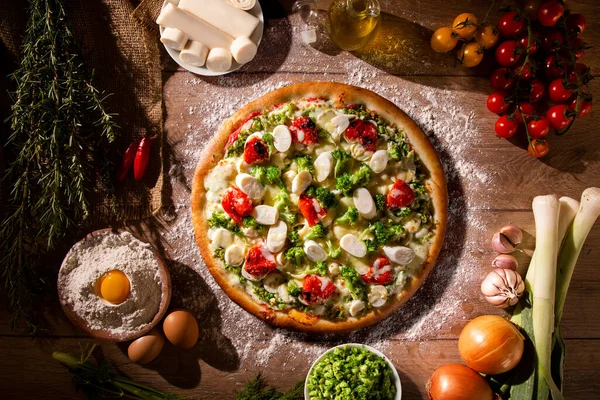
351,23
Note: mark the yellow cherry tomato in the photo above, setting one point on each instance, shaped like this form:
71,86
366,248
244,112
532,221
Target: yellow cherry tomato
487,36
442,40
465,25
114,287
470,55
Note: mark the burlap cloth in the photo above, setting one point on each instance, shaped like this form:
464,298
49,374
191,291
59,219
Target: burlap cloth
119,41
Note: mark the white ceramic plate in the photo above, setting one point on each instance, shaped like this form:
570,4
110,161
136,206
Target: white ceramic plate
395,375
256,38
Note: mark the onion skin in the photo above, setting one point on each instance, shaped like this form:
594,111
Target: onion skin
458,382
491,345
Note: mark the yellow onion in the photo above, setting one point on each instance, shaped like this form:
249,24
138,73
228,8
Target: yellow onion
491,345
458,382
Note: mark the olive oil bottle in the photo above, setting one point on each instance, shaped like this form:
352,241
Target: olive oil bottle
351,23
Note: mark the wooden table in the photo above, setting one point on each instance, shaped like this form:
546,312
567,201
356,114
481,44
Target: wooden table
492,182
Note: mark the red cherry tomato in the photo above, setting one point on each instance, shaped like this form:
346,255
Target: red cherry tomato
311,209
401,195
526,70
316,289
538,148
496,103
550,12
557,91
585,106
578,46
511,24
501,79
525,109
576,24
506,53
524,43
304,131
557,116
236,204
256,151
537,91
364,133
581,70
380,272
550,40
259,261
506,128
553,68
538,128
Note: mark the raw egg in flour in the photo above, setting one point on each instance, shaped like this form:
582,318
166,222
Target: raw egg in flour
113,287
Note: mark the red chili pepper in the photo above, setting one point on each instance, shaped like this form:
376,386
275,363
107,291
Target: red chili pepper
142,156
127,161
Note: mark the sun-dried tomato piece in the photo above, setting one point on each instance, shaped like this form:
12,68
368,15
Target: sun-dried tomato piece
236,204
311,209
256,151
316,289
259,261
304,131
364,133
380,272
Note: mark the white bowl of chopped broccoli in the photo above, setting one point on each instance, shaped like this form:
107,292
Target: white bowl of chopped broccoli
352,371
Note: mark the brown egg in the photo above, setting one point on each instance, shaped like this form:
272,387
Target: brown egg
181,329
147,348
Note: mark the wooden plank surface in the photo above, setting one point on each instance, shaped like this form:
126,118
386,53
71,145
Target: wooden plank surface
492,182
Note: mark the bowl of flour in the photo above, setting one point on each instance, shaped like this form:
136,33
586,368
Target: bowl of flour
89,260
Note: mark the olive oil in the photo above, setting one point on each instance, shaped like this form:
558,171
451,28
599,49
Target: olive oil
351,23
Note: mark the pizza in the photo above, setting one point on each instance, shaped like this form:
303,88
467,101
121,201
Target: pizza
319,207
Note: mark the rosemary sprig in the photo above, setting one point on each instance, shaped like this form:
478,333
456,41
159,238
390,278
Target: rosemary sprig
59,128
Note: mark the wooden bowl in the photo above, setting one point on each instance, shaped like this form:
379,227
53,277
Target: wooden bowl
105,334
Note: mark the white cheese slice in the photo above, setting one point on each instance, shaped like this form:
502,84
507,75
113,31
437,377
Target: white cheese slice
379,161
234,255
243,50
222,238
174,38
314,251
218,60
265,215
283,293
341,123
334,269
282,138
272,281
399,254
250,185
353,245
364,203
223,16
276,238
194,28
301,182
323,166
355,307
194,53
377,295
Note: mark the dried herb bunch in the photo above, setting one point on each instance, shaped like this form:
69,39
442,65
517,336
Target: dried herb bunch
56,151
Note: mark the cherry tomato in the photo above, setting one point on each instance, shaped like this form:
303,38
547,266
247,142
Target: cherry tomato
316,289
576,24
304,131
524,43
501,79
442,40
538,148
523,112
256,151
496,103
526,70
487,36
236,204
506,128
506,53
581,69
578,46
531,7
537,91
311,209
401,195
557,116
557,91
585,106
550,12
511,24
364,133
538,128
380,272
465,25
550,40
470,55
553,68
259,261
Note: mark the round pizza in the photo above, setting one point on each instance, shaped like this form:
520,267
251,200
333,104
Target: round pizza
320,207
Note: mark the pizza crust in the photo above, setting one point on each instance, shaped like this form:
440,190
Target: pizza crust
342,95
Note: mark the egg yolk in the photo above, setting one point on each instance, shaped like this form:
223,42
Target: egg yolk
113,287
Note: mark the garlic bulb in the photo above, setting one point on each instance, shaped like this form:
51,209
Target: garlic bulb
509,237
505,261
503,287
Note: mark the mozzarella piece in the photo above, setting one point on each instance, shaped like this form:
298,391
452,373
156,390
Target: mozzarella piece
196,29
283,293
234,255
222,238
379,161
276,238
355,307
282,138
265,215
218,60
223,16
377,295
341,123
413,225
364,203
272,281
243,50
323,166
353,245
250,186
399,254
243,4
174,38
314,251
325,117
301,182
194,53
334,268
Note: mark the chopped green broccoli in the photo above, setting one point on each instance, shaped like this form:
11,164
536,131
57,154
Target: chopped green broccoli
419,189
304,163
295,255
268,138
250,222
262,293
270,174
283,203
256,126
290,218
334,252
340,157
402,212
219,254
399,151
220,220
384,233
293,289
353,282
371,245
349,218
320,268
380,202
326,198
237,148
426,238
344,184
293,236
361,177
318,231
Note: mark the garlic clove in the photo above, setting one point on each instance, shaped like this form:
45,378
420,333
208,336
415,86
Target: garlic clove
503,287
505,261
513,233
501,244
